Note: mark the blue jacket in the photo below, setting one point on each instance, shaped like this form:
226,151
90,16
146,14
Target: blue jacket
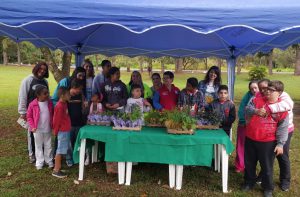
65,82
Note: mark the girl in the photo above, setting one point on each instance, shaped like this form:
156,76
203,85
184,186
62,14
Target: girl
61,129
136,79
136,93
114,91
96,106
210,85
240,142
39,116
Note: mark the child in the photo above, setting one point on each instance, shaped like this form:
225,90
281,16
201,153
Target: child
136,93
191,96
61,129
265,137
96,106
75,108
225,108
39,116
166,97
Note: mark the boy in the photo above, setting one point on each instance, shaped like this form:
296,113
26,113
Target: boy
191,96
225,109
75,106
61,129
166,97
264,137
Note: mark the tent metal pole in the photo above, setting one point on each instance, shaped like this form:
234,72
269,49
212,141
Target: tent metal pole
231,63
79,57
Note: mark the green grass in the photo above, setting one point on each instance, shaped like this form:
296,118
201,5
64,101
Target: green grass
27,181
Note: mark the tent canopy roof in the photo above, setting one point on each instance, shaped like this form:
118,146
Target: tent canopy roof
153,28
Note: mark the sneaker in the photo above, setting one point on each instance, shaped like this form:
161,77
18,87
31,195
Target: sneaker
32,159
59,174
258,180
247,187
268,193
69,163
39,167
284,188
87,160
50,165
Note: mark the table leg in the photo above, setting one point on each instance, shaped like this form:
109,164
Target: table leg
172,175
179,172
121,172
81,159
224,169
219,157
216,156
128,172
95,152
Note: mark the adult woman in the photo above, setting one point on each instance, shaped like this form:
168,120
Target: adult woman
210,85
240,142
27,94
114,91
90,74
156,80
136,78
78,73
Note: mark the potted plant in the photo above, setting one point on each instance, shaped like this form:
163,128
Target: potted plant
180,122
210,119
132,121
103,118
154,118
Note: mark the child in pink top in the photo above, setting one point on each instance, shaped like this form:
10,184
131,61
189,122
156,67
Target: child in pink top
39,117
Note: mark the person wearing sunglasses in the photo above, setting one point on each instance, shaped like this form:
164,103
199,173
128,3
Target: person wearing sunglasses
265,138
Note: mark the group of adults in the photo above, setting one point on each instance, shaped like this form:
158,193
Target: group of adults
116,96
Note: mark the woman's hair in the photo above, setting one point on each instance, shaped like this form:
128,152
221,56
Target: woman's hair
216,70
155,74
37,67
193,81
105,63
40,89
135,72
87,61
251,82
75,83
76,71
62,91
112,71
264,80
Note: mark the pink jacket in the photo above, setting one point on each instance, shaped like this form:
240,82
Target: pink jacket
33,114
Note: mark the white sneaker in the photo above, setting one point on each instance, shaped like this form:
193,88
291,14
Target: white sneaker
87,160
50,165
39,167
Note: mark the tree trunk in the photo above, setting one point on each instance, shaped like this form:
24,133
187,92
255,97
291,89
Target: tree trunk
141,66
97,61
162,66
297,65
66,64
270,62
219,63
18,53
4,49
205,63
178,65
239,67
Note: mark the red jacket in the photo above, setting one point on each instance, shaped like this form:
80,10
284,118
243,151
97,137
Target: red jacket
33,114
263,129
61,118
168,99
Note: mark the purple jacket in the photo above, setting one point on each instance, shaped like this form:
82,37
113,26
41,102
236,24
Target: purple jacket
33,114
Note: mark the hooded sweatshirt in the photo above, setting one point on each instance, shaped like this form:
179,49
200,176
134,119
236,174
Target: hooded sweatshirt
114,93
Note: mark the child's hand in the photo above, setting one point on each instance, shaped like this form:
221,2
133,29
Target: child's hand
85,104
278,150
107,105
33,130
115,106
23,116
146,102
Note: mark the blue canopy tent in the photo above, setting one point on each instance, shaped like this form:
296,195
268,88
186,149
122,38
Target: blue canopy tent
224,29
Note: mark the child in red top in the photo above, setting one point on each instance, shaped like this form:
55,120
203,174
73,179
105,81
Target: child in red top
61,129
265,137
166,97
39,117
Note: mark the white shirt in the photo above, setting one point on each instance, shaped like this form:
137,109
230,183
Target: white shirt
139,102
44,120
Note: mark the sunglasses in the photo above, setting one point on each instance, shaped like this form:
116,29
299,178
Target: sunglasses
270,89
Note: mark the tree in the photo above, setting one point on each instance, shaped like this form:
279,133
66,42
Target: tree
4,50
297,60
178,65
19,54
270,62
58,74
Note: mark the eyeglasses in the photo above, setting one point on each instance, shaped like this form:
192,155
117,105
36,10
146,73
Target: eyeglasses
270,89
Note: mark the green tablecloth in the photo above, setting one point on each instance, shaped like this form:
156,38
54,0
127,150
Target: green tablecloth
154,145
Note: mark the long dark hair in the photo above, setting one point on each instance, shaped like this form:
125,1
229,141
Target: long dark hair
87,61
216,70
74,77
37,67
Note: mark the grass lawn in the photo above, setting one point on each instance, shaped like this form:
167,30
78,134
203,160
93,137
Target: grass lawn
25,180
